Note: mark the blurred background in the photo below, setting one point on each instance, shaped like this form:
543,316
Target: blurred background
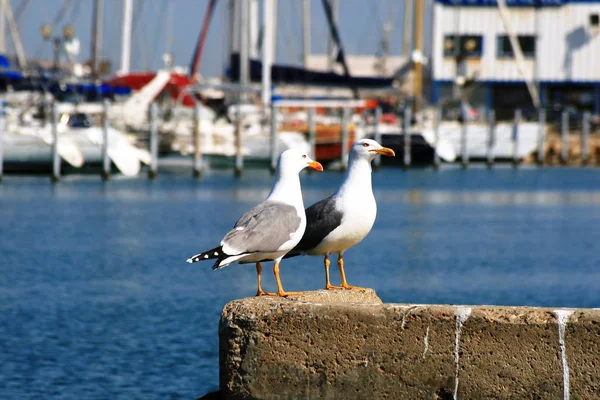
134,133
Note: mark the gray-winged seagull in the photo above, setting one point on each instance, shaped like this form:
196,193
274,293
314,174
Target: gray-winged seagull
344,219
272,228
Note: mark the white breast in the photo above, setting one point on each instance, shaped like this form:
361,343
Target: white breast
359,214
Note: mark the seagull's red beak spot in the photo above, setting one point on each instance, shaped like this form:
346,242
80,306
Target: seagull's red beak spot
315,165
384,151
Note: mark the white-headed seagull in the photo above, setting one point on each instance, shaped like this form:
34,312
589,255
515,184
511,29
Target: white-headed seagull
272,228
344,219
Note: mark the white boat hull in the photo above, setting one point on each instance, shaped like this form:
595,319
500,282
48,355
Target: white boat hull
33,144
477,139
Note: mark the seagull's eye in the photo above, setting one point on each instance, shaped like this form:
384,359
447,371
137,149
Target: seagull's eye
365,144
303,155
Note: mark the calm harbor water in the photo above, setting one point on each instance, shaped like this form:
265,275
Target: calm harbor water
97,302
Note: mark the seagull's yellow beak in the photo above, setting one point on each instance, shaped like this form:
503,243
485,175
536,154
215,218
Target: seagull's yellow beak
384,151
315,165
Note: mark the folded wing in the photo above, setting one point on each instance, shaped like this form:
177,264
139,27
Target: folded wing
263,229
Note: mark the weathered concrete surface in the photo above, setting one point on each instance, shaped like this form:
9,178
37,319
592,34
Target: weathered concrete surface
272,348
336,296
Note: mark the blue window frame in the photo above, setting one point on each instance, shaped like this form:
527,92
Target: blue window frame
526,42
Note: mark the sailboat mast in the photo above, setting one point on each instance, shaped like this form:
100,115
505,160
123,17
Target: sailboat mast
202,38
267,48
305,32
406,36
519,58
267,51
244,42
14,34
418,34
126,39
96,36
330,41
231,36
3,26
341,57
253,22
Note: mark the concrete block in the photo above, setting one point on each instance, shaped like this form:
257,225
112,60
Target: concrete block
319,346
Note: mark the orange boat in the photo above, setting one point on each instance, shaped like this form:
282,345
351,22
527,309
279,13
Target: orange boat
328,139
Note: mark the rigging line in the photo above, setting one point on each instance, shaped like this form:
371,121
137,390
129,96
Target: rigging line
219,60
225,56
396,24
21,9
199,49
62,12
375,15
159,15
137,16
427,21
44,9
142,35
335,35
75,11
170,28
295,12
390,20
111,34
322,32
156,34
398,31
43,44
291,48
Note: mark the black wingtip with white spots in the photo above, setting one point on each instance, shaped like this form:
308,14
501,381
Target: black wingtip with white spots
217,252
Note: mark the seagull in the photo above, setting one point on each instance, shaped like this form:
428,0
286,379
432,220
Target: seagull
272,228
344,219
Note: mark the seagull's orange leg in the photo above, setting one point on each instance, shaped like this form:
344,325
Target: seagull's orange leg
280,291
328,284
261,292
343,275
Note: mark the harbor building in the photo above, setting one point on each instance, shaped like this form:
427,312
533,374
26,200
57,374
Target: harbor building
559,41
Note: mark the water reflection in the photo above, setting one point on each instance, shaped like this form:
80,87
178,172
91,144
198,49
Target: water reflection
492,197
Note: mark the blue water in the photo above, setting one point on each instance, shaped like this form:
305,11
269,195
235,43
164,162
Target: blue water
97,302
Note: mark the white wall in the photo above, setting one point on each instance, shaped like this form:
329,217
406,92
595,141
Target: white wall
567,48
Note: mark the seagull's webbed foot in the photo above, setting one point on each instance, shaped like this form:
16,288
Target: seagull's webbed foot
350,287
333,287
280,291
343,276
263,293
283,293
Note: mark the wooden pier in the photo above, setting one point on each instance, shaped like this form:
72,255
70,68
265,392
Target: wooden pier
569,141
